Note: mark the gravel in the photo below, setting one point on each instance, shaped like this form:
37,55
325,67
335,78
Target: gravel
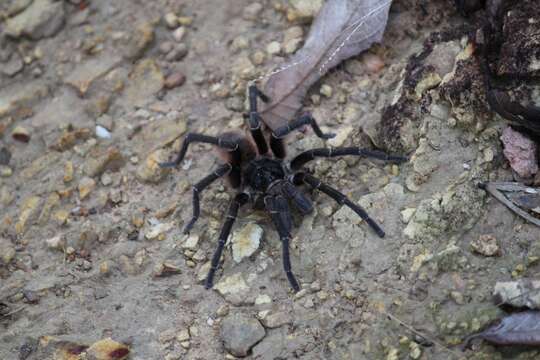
112,260
240,333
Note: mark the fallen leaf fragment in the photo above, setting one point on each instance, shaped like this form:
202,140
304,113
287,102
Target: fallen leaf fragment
496,190
107,349
516,329
342,28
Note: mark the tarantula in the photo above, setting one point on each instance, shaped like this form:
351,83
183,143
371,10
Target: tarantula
260,174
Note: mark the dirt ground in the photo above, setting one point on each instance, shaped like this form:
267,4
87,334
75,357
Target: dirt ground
94,93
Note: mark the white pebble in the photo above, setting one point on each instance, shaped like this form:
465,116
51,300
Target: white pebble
179,34
171,20
273,48
102,133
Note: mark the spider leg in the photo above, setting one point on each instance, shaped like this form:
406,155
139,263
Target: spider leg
194,137
279,212
299,199
276,140
309,155
278,147
255,119
254,92
306,119
340,198
236,203
200,186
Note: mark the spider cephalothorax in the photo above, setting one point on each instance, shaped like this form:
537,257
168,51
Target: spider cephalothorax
262,177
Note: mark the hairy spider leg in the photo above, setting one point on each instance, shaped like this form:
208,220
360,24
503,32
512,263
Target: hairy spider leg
276,141
309,155
278,147
199,187
280,214
194,137
340,198
298,198
255,119
236,203
305,119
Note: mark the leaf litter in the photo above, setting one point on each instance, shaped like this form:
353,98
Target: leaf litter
521,195
521,328
342,29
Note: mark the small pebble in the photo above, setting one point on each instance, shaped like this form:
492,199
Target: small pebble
292,39
21,134
174,80
102,133
486,245
167,336
191,242
183,336
171,20
194,330
373,63
31,297
407,214
5,171
105,267
326,90
7,254
179,34
263,299
157,230
415,351
86,185
258,57
61,217
273,48
178,53
106,179
246,241
308,303
457,297
315,286
166,47
223,310
165,269
252,11
239,43
185,20
56,243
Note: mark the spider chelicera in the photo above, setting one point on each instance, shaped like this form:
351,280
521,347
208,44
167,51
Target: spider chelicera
260,175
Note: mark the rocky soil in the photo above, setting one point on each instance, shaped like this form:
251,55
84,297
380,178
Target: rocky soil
93,94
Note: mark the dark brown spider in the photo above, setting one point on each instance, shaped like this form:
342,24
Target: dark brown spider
260,175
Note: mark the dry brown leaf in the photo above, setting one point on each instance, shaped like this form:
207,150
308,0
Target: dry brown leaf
343,28
516,329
